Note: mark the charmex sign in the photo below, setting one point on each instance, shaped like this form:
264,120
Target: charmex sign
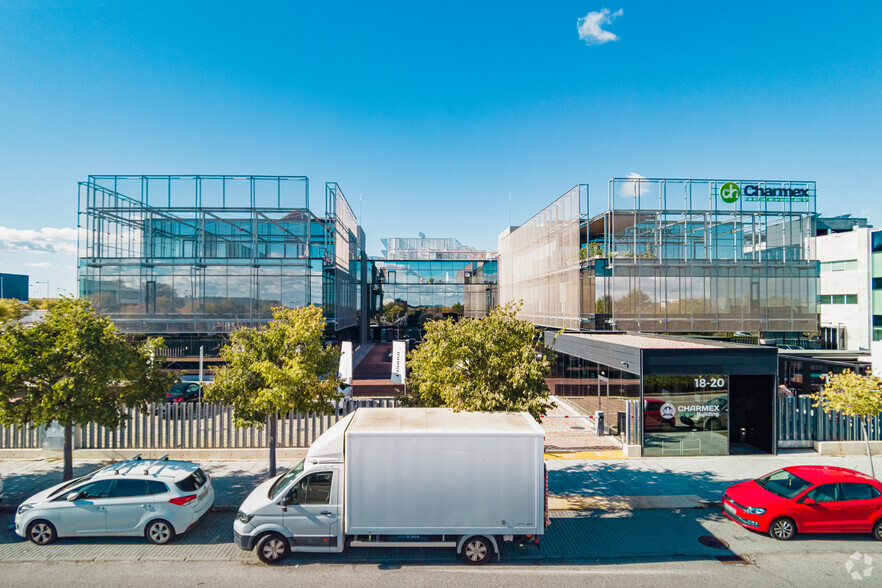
730,192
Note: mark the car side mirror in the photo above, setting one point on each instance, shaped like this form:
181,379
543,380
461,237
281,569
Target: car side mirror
73,496
285,501
809,501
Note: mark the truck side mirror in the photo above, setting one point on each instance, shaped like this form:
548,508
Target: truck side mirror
73,496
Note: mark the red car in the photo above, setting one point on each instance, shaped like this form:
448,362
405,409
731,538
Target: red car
807,499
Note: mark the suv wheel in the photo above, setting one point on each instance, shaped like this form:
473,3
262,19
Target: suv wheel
272,548
41,532
159,532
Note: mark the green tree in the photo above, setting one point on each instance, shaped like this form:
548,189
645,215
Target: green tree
75,368
854,395
457,308
281,368
494,363
12,309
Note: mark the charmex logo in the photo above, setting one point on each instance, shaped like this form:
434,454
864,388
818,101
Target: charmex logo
667,410
730,192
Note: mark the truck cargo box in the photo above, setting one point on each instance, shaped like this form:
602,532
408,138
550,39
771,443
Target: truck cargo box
421,471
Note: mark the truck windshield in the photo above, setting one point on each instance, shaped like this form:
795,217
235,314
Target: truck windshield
284,480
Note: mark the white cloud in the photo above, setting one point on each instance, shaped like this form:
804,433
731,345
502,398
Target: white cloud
589,26
45,240
39,264
630,187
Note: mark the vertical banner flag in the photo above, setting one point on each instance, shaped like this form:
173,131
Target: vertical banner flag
345,370
398,349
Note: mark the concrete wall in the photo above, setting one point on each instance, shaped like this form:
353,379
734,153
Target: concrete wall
856,319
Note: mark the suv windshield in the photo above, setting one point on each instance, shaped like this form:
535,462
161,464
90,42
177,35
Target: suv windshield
783,483
284,480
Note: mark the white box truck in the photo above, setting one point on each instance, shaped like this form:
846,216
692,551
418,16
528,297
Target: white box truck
405,477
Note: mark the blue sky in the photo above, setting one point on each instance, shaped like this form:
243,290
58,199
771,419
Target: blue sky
432,113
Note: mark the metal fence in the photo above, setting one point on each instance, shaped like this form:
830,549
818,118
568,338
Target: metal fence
191,426
799,421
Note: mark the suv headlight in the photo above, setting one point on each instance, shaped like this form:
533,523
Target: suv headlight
754,510
244,518
25,508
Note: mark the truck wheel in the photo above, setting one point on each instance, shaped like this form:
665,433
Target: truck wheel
476,550
272,548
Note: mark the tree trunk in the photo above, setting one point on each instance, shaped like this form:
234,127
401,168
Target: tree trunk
869,453
271,429
68,452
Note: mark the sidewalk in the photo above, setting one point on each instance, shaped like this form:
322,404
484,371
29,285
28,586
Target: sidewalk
567,430
670,482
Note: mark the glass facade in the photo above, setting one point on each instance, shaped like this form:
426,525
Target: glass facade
684,256
207,254
592,387
539,263
409,292
686,415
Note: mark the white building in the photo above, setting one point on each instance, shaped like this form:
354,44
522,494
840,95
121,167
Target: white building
844,291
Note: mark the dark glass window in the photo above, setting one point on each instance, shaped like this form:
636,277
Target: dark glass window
877,241
877,320
156,487
193,482
99,489
313,489
126,488
857,491
826,493
839,299
877,283
825,299
851,299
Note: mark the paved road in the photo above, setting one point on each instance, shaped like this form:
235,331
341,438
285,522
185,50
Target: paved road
823,570
592,535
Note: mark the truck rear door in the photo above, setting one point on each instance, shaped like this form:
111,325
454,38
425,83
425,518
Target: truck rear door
313,512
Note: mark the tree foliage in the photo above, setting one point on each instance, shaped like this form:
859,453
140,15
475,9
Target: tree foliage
851,394
12,309
855,395
495,363
74,367
280,368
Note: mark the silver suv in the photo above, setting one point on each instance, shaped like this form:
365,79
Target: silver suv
157,498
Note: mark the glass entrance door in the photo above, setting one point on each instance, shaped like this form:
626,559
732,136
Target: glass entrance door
603,402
